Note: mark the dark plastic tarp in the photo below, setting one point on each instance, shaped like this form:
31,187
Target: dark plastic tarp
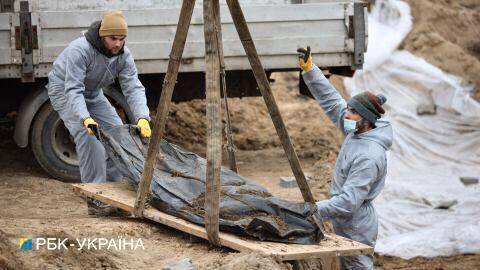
178,187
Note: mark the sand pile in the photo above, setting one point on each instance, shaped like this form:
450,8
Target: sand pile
314,136
247,261
9,254
446,33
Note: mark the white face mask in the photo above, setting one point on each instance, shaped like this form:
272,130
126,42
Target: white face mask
349,125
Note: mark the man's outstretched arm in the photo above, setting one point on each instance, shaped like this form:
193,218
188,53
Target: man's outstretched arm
322,90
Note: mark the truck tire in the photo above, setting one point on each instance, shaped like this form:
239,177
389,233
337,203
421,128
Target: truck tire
54,147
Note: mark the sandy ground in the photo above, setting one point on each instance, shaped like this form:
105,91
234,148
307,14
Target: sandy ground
35,205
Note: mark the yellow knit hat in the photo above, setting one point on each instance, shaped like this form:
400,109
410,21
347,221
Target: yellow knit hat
113,24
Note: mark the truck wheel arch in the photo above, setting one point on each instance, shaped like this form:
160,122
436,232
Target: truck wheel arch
31,104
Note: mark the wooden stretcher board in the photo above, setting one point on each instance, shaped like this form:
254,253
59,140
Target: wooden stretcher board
121,195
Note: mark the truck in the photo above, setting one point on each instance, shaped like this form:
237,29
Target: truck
33,33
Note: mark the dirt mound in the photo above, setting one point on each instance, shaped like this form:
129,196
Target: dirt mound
447,35
458,262
314,137
247,261
186,125
9,254
321,174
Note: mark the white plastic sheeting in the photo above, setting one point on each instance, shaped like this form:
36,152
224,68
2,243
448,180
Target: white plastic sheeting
424,209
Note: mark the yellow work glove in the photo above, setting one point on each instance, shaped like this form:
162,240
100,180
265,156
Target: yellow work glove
305,58
145,131
87,122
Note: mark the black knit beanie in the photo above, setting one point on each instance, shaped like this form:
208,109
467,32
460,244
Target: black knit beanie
368,105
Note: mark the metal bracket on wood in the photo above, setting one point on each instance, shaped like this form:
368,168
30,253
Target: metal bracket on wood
24,41
359,30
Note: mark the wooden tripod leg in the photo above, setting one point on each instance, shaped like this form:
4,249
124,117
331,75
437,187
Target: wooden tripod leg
214,124
228,129
164,105
262,81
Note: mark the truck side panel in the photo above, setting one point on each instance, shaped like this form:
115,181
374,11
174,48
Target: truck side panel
278,30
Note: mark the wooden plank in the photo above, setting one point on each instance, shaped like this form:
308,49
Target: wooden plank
121,195
164,105
169,16
264,86
214,125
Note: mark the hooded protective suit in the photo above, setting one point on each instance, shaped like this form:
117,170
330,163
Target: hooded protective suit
359,173
75,90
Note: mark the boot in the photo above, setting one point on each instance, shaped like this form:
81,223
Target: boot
99,209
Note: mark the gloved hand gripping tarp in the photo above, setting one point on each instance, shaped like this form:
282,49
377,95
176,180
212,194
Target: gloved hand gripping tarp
178,188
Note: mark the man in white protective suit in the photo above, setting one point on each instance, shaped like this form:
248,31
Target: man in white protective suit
79,73
361,166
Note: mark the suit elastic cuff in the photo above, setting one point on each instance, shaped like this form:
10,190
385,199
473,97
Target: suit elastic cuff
142,117
82,119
